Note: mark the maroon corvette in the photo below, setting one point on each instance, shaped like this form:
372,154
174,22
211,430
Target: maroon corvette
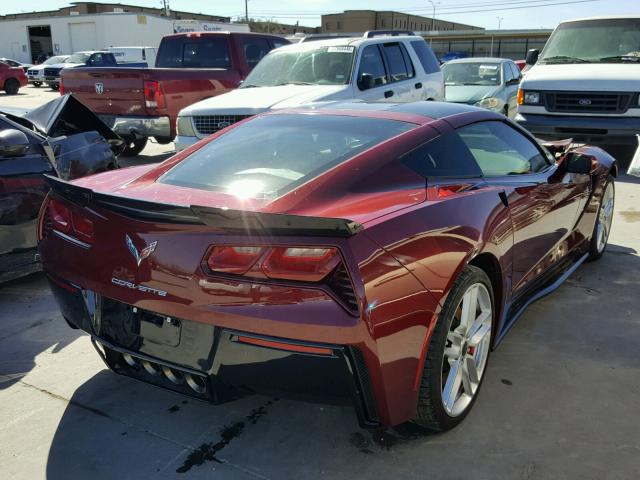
368,253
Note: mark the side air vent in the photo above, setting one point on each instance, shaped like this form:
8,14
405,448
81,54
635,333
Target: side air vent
341,285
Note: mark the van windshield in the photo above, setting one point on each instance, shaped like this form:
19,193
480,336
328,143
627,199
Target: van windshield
303,65
613,40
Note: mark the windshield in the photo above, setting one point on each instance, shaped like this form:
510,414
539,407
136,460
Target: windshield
53,60
78,58
307,65
600,41
271,155
471,73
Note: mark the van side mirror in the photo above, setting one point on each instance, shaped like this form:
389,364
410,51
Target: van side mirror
580,163
532,56
365,81
13,143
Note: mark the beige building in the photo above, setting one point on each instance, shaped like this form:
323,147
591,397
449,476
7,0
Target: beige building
92,8
363,20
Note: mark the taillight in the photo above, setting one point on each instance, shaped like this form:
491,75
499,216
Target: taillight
310,264
68,220
82,226
61,87
300,263
236,260
60,216
153,95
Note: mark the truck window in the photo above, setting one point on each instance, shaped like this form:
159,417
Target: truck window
425,55
194,52
610,40
255,49
372,72
400,66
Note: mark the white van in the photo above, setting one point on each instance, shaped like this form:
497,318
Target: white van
382,66
134,55
584,84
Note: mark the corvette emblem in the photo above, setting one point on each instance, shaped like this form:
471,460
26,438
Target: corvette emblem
584,101
144,253
99,88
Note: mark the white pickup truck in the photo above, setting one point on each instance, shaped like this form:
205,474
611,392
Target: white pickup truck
381,66
584,84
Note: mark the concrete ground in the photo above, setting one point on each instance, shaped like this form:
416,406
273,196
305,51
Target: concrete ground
560,400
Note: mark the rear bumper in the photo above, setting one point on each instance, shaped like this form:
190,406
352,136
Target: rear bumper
139,126
591,129
214,363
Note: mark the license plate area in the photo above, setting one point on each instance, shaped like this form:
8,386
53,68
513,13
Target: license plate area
156,328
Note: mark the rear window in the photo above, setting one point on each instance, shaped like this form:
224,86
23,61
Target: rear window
271,155
425,55
194,52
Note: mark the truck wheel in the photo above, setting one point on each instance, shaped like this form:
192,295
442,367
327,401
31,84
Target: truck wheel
55,87
163,140
11,86
37,84
134,147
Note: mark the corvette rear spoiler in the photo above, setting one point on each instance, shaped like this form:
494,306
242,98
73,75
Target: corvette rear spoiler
226,220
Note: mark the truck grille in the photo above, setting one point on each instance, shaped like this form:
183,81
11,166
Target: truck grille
587,102
51,72
208,124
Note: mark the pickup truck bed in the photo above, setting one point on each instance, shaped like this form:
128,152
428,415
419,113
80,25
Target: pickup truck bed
138,103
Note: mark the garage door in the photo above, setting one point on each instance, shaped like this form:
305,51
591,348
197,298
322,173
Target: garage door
83,36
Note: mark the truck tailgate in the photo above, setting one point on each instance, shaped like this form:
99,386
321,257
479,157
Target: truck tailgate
108,91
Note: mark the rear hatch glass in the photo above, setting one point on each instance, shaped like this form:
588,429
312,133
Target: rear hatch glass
269,156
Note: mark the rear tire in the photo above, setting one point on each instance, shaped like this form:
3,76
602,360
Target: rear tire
458,353
37,84
602,228
133,147
55,87
11,86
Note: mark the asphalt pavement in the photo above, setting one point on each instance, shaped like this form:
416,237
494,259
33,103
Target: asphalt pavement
561,398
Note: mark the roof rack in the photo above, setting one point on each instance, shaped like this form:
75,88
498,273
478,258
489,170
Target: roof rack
320,36
392,33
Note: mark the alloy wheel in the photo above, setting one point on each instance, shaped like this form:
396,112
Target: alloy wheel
605,216
466,349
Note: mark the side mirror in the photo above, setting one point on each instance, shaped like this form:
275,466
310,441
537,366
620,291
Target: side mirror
13,143
580,163
365,81
532,56
513,81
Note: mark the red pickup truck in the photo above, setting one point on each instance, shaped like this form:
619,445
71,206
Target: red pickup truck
138,103
12,78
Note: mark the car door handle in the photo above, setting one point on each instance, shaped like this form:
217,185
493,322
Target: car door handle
418,85
388,94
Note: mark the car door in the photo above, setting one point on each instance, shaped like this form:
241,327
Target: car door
22,191
372,81
432,80
544,202
402,73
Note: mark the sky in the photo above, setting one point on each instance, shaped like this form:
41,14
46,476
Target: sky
483,13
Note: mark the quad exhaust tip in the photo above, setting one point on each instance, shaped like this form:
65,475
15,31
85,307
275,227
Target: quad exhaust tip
197,383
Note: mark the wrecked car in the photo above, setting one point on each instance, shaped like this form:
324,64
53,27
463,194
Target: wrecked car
61,138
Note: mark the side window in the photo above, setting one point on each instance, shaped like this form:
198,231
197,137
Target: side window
445,156
372,73
425,55
255,49
507,72
516,70
95,59
501,150
397,62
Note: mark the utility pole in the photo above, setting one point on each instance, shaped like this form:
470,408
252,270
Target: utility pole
165,7
246,11
433,18
499,21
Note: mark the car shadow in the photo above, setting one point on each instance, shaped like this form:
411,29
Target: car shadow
628,178
31,324
568,356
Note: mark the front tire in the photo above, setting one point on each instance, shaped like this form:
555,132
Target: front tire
37,84
602,228
458,353
11,86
